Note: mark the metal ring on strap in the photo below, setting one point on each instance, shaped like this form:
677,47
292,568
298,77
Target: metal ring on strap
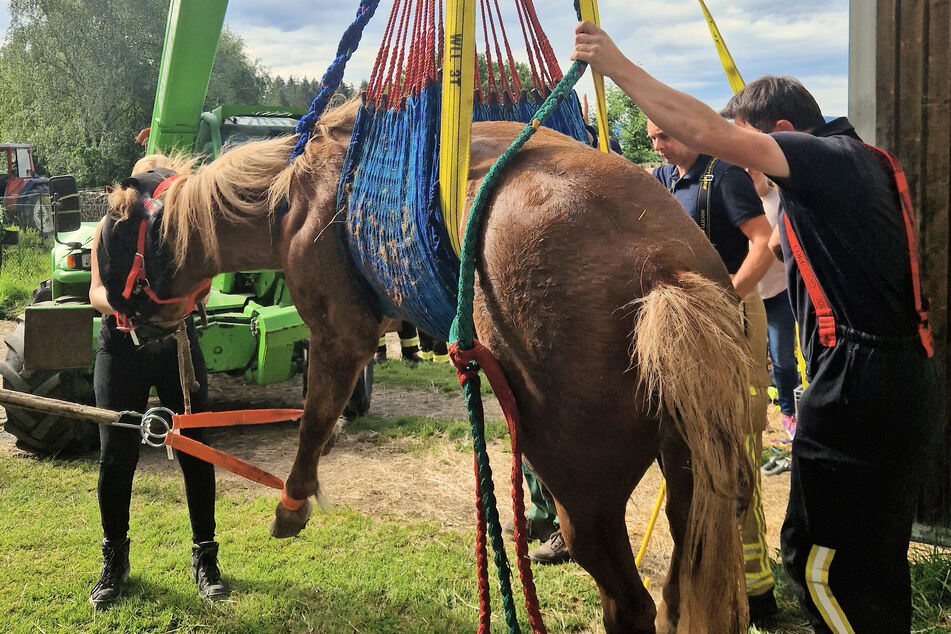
149,436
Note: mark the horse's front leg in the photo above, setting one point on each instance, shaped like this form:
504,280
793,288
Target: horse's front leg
331,376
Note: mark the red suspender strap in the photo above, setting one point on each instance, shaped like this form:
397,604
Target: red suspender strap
818,298
911,232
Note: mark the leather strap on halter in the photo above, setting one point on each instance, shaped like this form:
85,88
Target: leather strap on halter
819,301
177,441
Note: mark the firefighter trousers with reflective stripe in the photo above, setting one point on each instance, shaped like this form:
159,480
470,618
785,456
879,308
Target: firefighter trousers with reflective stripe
866,428
759,575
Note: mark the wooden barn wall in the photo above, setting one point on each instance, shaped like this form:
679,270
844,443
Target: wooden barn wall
913,84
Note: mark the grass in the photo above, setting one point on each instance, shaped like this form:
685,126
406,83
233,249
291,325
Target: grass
436,376
24,266
345,573
428,432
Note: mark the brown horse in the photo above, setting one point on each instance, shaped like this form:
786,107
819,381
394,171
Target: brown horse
612,317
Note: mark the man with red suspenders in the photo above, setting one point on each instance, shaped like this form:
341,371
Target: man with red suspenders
874,402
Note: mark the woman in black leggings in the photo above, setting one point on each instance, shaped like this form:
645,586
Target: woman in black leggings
123,374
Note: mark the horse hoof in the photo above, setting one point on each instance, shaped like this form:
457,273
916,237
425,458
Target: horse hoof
663,622
289,523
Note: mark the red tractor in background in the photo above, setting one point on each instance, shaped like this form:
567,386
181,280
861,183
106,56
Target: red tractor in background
25,194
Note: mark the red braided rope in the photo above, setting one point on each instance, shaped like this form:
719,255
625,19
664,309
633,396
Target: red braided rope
374,86
481,356
431,42
398,52
442,36
482,558
503,80
544,44
536,82
490,72
516,82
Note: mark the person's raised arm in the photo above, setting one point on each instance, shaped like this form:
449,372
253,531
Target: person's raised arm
97,292
683,117
759,258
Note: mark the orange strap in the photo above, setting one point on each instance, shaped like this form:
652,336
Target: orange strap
175,440
911,232
819,302
237,417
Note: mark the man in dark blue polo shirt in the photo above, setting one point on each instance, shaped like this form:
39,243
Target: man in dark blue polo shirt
721,198
874,406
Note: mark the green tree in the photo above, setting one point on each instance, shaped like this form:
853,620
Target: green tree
629,126
78,80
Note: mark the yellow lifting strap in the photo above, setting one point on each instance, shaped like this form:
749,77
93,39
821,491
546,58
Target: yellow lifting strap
458,77
732,72
589,12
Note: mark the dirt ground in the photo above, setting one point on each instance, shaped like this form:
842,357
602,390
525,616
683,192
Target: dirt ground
389,480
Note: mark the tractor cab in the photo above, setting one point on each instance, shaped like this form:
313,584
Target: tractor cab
233,125
25,193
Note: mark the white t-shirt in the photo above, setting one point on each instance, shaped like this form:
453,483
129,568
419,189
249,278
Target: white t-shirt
774,282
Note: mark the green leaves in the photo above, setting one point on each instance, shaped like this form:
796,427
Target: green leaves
629,126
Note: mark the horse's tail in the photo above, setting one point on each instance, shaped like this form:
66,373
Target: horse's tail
692,358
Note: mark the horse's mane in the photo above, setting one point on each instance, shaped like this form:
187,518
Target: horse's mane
243,183
333,129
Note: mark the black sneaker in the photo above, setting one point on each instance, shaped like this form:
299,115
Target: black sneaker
115,571
205,570
536,530
762,606
553,551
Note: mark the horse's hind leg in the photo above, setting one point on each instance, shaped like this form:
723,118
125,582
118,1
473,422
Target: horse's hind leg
675,463
597,539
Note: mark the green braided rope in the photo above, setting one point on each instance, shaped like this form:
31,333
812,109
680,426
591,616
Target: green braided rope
463,333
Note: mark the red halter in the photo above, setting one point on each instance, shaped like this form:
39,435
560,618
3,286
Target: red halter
138,272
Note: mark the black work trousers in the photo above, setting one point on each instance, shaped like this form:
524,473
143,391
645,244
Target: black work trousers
123,376
867,425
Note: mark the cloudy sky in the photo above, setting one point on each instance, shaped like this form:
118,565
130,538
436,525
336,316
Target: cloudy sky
807,39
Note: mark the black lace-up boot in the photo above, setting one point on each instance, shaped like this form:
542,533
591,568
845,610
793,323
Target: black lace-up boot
205,570
115,570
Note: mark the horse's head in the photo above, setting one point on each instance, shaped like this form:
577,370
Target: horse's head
136,267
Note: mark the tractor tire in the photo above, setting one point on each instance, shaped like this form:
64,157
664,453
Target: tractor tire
43,292
359,403
46,434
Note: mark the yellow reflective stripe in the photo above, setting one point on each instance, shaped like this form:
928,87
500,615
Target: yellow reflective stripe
758,583
412,341
381,342
817,580
440,358
757,551
589,12
732,72
456,126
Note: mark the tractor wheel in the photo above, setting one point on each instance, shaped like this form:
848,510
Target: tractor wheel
43,292
46,434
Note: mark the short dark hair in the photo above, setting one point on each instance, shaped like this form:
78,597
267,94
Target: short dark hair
770,98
